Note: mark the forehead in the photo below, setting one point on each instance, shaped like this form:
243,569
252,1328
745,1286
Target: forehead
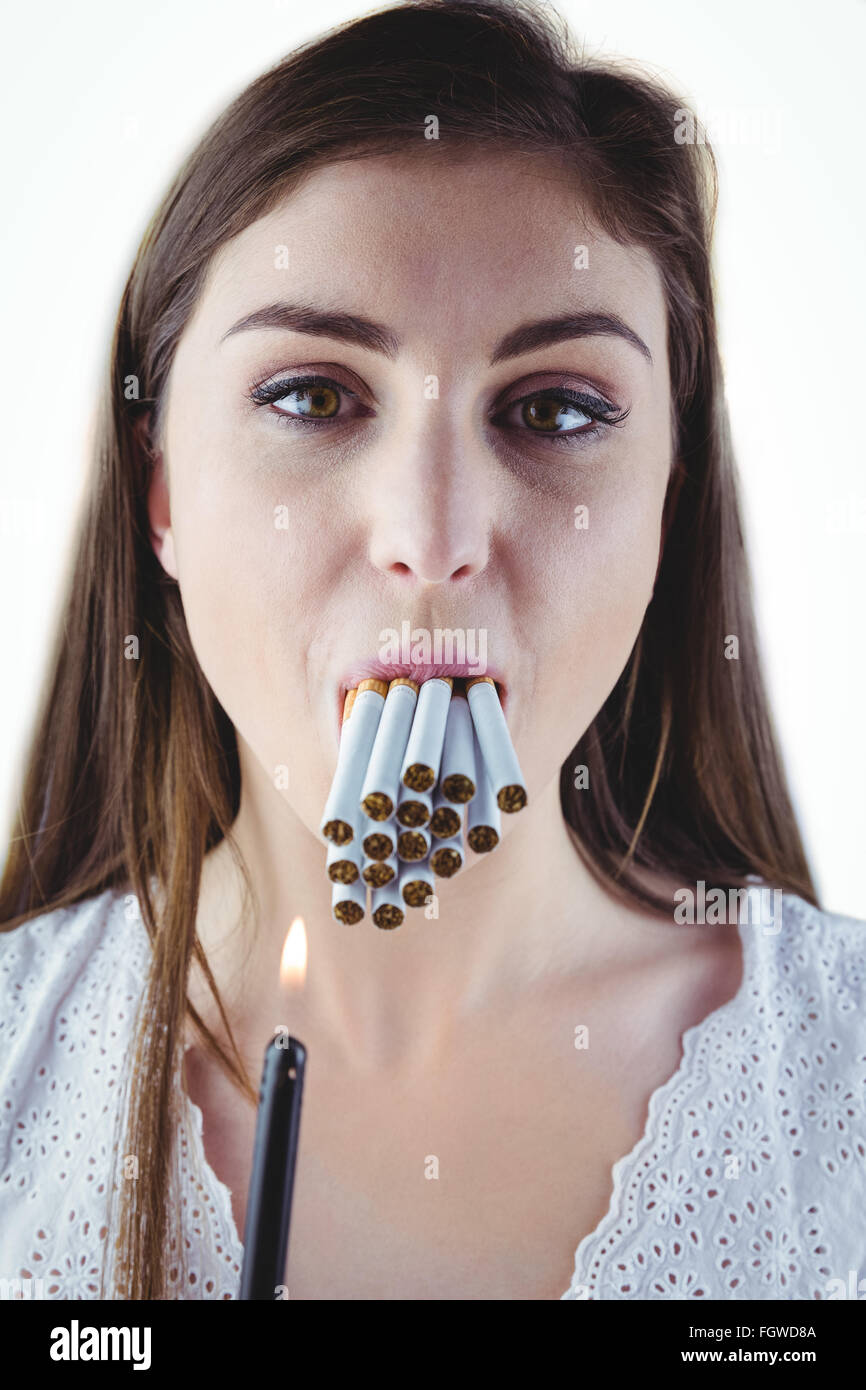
448,250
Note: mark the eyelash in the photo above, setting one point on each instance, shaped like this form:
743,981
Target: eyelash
605,416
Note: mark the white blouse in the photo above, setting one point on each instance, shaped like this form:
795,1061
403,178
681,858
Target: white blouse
749,1180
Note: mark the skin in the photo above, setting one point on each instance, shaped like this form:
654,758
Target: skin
426,510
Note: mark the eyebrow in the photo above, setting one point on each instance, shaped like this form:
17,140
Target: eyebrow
365,333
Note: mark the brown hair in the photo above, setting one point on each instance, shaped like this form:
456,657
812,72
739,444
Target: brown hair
132,774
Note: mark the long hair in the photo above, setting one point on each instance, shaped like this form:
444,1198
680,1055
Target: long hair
132,773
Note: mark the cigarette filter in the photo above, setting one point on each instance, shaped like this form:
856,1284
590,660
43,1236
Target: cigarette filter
457,774
381,784
494,740
446,820
349,901
416,883
414,808
424,749
413,844
356,742
447,858
483,820
378,872
387,906
379,838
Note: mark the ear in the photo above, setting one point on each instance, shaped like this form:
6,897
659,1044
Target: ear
158,509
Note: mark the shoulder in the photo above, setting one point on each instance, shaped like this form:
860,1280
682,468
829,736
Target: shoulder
69,980
807,964
750,1180
797,1025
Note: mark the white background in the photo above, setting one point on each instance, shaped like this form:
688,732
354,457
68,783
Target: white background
98,106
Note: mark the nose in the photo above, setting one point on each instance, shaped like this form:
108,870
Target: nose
431,506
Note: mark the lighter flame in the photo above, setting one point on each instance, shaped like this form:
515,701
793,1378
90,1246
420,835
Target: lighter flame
293,964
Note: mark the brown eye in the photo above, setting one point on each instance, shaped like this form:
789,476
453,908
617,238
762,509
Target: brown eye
314,402
550,414
311,400
561,416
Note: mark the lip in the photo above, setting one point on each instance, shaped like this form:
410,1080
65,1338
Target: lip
416,671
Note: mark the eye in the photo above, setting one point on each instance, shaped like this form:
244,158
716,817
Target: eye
559,414
304,400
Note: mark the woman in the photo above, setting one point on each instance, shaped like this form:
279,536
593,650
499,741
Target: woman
424,331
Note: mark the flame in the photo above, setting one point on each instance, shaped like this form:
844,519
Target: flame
293,963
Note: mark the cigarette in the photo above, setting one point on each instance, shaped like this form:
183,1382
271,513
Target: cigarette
349,901
447,857
413,845
344,862
424,749
410,758
335,831
414,808
457,774
356,742
381,784
446,820
387,907
483,820
379,838
494,740
416,884
378,872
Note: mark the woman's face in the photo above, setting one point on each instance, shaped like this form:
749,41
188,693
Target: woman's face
411,488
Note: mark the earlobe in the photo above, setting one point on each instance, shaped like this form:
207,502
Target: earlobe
159,513
165,553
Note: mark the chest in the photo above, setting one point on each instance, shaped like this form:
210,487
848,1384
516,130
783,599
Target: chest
476,1180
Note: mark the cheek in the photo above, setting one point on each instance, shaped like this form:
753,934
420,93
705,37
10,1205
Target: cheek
600,583
255,563
614,567
251,533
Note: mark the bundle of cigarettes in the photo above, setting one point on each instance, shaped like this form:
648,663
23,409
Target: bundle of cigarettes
412,757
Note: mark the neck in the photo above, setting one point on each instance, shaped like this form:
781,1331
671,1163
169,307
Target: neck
519,920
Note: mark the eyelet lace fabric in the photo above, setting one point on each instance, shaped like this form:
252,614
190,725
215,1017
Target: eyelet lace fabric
749,1181
70,984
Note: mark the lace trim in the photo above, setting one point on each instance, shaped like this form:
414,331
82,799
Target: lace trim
660,1114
